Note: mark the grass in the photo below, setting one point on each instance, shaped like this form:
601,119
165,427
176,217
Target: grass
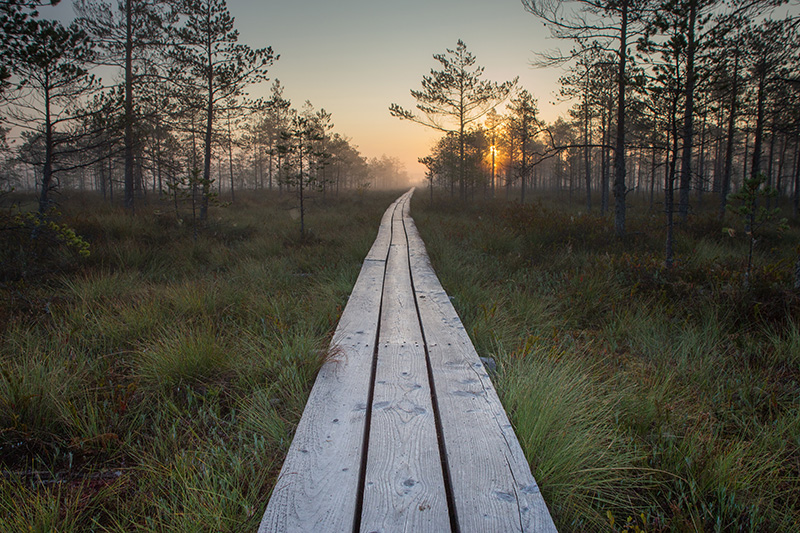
643,398
155,385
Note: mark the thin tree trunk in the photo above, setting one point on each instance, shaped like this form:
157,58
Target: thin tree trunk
620,190
158,157
587,150
726,175
604,181
653,168
744,155
796,203
129,185
47,172
230,154
688,116
669,186
462,178
524,147
771,158
762,81
302,204
701,158
209,130
781,165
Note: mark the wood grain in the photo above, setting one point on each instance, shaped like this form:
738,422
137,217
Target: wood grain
317,487
404,485
399,306
491,481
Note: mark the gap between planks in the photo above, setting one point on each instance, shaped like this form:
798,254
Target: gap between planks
424,444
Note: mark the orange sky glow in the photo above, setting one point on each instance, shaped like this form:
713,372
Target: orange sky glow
355,57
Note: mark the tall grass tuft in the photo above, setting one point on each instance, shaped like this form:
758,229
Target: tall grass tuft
157,387
183,358
565,423
37,387
664,400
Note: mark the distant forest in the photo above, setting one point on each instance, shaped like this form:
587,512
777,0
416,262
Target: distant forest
678,97
177,124
671,99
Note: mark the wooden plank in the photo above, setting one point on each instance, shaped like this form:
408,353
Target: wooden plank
404,485
381,245
318,484
491,481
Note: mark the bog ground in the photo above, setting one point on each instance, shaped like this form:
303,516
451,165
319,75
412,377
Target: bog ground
156,384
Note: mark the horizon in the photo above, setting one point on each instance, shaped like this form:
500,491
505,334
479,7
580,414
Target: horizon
358,92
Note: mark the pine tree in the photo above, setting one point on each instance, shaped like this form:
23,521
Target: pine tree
455,97
524,124
130,35
210,61
50,79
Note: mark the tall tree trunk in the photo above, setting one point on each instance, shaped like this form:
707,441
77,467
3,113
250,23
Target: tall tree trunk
701,158
524,147
781,166
653,168
208,139
271,157
110,175
688,116
744,154
230,154
757,142
726,175
47,172
129,178
796,203
669,186
302,204
462,171
158,156
587,150
494,153
219,175
102,176
620,190
604,181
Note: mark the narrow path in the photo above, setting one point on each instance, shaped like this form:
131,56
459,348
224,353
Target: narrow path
403,430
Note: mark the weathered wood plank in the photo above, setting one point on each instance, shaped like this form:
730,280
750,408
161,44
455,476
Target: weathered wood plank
381,245
493,488
404,482
317,487
404,485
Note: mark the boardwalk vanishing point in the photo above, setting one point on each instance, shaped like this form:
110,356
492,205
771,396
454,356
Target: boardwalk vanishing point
403,429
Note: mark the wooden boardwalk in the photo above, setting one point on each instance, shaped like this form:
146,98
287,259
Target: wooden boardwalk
403,430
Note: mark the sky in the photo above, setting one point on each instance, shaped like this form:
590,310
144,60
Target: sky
355,57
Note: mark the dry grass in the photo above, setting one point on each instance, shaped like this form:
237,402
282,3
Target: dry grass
156,384
664,400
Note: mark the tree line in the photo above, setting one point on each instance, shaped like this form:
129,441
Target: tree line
178,123
681,98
